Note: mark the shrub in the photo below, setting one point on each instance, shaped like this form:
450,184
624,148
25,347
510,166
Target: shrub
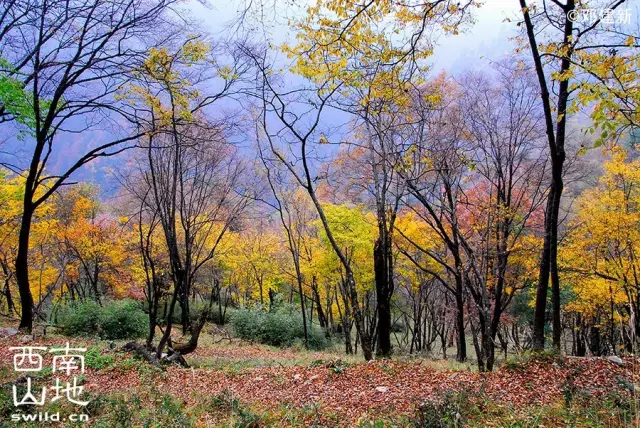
80,318
95,359
398,327
121,319
280,327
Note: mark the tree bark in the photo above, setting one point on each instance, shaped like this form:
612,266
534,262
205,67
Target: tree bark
461,352
22,268
556,140
384,292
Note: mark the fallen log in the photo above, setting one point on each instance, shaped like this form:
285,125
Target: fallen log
150,356
142,351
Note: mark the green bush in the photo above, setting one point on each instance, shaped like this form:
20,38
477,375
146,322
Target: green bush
280,327
95,359
120,319
123,319
80,318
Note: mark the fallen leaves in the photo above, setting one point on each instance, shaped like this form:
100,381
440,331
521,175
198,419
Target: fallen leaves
365,388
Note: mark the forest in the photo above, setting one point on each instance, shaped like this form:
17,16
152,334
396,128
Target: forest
299,219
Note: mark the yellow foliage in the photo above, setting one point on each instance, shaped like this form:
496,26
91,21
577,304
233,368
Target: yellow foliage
599,256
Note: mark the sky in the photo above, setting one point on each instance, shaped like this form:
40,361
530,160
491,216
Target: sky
489,39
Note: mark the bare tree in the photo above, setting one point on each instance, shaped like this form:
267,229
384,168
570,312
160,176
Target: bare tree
433,166
294,219
195,189
505,130
71,58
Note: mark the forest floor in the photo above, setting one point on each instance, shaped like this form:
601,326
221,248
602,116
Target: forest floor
241,384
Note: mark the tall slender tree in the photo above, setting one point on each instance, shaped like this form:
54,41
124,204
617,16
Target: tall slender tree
70,58
561,43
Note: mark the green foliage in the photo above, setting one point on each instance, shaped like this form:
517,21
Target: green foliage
15,100
6,403
520,307
170,413
79,318
398,326
157,410
225,401
95,359
242,417
123,411
121,319
279,327
214,314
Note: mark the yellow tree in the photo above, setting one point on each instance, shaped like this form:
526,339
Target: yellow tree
97,253
374,53
43,275
599,259
189,178
342,45
256,257
354,233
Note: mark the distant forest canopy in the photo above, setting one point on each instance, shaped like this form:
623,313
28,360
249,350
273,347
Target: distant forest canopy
446,208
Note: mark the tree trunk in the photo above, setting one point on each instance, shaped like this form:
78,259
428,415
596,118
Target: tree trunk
384,290
304,313
548,262
461,352
22,267
322,319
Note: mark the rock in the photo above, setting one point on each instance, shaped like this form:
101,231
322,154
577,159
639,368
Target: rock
297,377
177,359
258,379
382,388
26,338
6,332
615,360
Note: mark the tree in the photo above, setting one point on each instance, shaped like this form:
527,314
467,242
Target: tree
599,258
70,57
557,42
502,201
356,47
96,254
44,275
434,160
293,217
195,185
278,107
191,176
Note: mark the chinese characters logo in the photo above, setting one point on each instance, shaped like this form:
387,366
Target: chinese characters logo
606,16
68,361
